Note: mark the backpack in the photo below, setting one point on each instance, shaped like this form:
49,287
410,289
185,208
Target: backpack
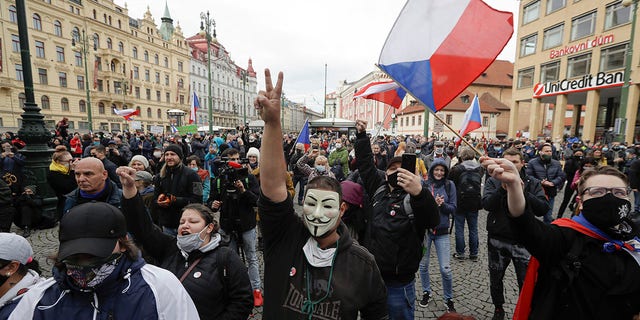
468,187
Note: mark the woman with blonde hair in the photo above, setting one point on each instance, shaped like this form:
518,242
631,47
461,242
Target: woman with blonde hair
61,177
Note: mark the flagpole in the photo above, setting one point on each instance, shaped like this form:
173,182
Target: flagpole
431,111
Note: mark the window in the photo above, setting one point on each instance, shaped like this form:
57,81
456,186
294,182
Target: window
525,78
42,75
448,119
159,114
137,91
135,52
158,96
121,47
109,43
22,98
158,77
78,59
166,80
82,106
182,99
613,57
60,54
44,103
15,43
156,59
13,14
578,65
180,83
94,14
528,45
485,121
37,22
62,77
531,12
80,81
413,120
64,104
550,72
180,66
616,14
146,56
96,41
166,62
39,49
149,112
136,73
420,120
19,75
100,85
167,97
101,108
147,75
554,5
583,26
75,34
148,92
552,37
57,28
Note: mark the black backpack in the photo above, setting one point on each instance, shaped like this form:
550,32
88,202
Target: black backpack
468,187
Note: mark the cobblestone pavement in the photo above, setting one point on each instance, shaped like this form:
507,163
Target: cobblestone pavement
470,278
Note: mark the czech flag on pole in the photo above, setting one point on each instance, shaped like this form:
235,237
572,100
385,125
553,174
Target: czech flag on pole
437,48
385,92
195,105
127,113
472,119
303,136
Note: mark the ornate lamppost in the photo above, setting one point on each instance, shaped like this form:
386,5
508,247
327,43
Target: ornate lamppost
82,44
206,23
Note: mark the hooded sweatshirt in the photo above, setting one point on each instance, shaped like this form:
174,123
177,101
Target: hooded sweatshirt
443,187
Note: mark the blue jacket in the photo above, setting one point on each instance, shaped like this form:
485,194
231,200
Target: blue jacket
135,290
112,196
443,187
551,171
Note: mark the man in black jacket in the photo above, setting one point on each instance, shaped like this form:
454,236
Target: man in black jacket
502,244
175,186
571,165
313,269
402,211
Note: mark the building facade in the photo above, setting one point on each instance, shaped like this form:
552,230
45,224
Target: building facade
571,56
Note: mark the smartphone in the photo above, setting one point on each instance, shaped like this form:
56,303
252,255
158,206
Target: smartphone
409,162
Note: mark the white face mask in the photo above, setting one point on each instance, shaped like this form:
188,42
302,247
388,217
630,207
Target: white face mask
338,145
157,154
321,211
190,242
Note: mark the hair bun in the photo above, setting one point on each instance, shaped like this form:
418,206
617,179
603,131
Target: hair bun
61,148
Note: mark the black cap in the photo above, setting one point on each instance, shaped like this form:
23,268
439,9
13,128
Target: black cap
91,228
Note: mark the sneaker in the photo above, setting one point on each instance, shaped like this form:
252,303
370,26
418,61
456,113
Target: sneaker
257,298
473,257
498,314
459,256
450,307
425,299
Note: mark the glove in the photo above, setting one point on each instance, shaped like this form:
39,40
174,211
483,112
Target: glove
166,200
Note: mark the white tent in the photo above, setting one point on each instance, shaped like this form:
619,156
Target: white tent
332,122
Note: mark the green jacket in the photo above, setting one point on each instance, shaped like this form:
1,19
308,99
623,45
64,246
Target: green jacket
342,156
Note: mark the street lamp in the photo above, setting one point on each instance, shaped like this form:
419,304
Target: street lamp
624,92
83,46
393,122
205,30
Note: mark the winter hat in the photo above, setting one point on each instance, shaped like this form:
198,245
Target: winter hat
352,192
175,149
144,176
140,159
254,152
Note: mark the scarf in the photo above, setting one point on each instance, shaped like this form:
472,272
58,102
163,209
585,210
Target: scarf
317,256
54,166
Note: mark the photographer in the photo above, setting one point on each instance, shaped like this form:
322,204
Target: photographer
234,193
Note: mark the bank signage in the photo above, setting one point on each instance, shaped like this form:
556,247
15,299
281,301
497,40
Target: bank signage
600,80
581,46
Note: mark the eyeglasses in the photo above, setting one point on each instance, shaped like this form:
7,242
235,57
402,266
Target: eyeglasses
597,192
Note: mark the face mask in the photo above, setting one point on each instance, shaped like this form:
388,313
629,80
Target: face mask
95,143
321,211
497,148
578,157
546,157
605,149
392,180
606,212
321,168
418,151
439,150
338,145
195,169
91,276
157,154
190,242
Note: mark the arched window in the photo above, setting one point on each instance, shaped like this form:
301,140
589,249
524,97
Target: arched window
82,106
64,104
135,53
166,62
159,113
57,28
13,14
113,65
156,59
149,113
101,108
180,83
119,24
44,103
22,98
37,22
96,41
121,47
138,109
76,34
146,56
109,43
109,20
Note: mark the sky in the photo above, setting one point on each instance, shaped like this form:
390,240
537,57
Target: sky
299,37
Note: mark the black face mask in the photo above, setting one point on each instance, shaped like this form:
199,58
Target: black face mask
579,158
392,180
606,212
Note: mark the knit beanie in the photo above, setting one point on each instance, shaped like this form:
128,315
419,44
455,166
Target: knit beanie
254,152
175,149
140,159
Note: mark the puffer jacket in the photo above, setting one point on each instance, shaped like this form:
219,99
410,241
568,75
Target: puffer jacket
135,290
443,187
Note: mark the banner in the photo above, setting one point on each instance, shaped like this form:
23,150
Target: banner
135,125
192,128
156,129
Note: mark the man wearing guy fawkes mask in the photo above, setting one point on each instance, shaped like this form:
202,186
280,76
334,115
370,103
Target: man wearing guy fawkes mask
402,212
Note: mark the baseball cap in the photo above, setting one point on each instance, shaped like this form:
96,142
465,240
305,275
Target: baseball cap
91,228
144,176
15,248
394,160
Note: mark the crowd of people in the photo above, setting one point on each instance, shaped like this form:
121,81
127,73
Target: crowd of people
169,226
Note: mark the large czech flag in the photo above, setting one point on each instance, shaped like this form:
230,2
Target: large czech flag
437,48
387,92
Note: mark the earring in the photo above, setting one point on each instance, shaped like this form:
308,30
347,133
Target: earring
8,274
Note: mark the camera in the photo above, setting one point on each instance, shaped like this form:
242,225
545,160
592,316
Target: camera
229,171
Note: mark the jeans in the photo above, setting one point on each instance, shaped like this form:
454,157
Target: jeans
443,252
303,182
500,254
472,224
401,301
547,216
249,241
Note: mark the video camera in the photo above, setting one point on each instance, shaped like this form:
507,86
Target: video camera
230,171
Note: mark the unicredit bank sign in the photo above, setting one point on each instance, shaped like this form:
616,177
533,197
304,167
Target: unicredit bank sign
600,80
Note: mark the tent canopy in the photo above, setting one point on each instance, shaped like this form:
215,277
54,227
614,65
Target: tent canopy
332,122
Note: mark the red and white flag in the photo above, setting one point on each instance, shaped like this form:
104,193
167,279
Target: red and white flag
127,113
387,92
